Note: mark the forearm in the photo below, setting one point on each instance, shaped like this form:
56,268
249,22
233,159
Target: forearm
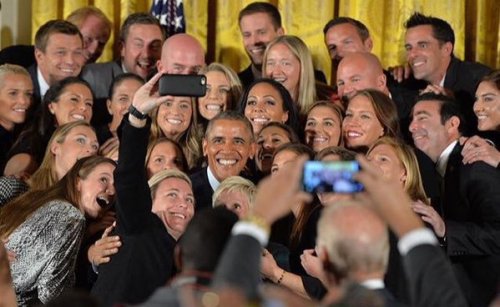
290,281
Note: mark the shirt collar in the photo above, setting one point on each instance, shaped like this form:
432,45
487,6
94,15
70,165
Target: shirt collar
214,183
373,284
124,69
441,83
442,162
44,86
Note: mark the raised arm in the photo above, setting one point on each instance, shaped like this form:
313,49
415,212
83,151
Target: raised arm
133,195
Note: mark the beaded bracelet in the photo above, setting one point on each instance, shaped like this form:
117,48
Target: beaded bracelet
281,277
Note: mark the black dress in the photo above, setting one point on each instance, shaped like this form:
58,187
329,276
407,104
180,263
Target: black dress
145,259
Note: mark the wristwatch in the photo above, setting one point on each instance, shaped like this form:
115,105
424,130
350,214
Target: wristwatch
136,113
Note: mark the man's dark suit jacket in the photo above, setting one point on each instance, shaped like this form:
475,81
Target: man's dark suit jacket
430,277
202,189
471,211
247,78
100,76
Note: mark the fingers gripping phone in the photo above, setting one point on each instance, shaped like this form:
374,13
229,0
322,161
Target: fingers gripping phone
331,176
183,85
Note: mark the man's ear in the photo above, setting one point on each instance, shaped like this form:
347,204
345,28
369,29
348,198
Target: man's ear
452,124
447,48
368,44
108,105
280,31
178,257
38,55
381,81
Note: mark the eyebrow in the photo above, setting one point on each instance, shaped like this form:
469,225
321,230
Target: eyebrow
422,112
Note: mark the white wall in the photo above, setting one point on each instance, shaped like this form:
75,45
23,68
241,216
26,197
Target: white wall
15,22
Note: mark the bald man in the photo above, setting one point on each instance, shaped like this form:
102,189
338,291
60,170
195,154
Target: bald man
355,243
181,54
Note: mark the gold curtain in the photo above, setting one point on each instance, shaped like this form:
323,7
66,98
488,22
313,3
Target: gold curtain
475,22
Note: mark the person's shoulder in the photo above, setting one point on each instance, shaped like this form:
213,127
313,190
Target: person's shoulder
62,209
100,67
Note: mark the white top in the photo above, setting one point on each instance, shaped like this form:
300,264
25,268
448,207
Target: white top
442,162
44,86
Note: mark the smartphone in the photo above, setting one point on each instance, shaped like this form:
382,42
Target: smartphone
331,176
183,85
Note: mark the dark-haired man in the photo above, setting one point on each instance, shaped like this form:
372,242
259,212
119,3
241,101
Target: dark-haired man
470,224
429,43
228,144
58,54
260,23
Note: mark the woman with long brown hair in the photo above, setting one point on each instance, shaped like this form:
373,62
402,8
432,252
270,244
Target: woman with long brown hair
44,228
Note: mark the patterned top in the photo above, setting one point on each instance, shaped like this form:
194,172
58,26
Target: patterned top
10,188
46,246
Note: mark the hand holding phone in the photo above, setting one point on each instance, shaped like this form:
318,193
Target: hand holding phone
331,176
183,85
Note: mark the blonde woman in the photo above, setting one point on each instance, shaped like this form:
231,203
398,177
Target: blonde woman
288,61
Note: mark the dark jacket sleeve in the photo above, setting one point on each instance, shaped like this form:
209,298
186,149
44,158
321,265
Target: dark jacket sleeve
480,233
133,206
239,266
431,279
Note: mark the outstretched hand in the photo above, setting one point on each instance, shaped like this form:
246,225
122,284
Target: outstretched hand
147,98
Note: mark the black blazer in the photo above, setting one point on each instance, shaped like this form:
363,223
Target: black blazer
430,278
144,262
471,209
202,190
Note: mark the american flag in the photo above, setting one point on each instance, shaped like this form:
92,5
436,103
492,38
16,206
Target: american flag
171,15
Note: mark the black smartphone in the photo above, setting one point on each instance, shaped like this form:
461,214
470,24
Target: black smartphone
331,176
183,85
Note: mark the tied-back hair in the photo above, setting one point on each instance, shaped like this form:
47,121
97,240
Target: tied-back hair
234,82
305,209
413,184
493,77
182,162
14,213
343,153
7,69
38,132
288,104
46,175
190,140
335,108
385,110
290,133
307,84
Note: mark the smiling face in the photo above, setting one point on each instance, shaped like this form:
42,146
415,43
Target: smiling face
257,30
387,160
264,104
141,49
122,99
268,140
427,57
281,159
99,184
361,126
235,201
95,34
344,38
228,146
174,116
15,98
283,66
62,58
74,103
174,204
323,128
216,99
163,156
428,133
79,143
487,106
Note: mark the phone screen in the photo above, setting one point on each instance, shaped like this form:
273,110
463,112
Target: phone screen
331,176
